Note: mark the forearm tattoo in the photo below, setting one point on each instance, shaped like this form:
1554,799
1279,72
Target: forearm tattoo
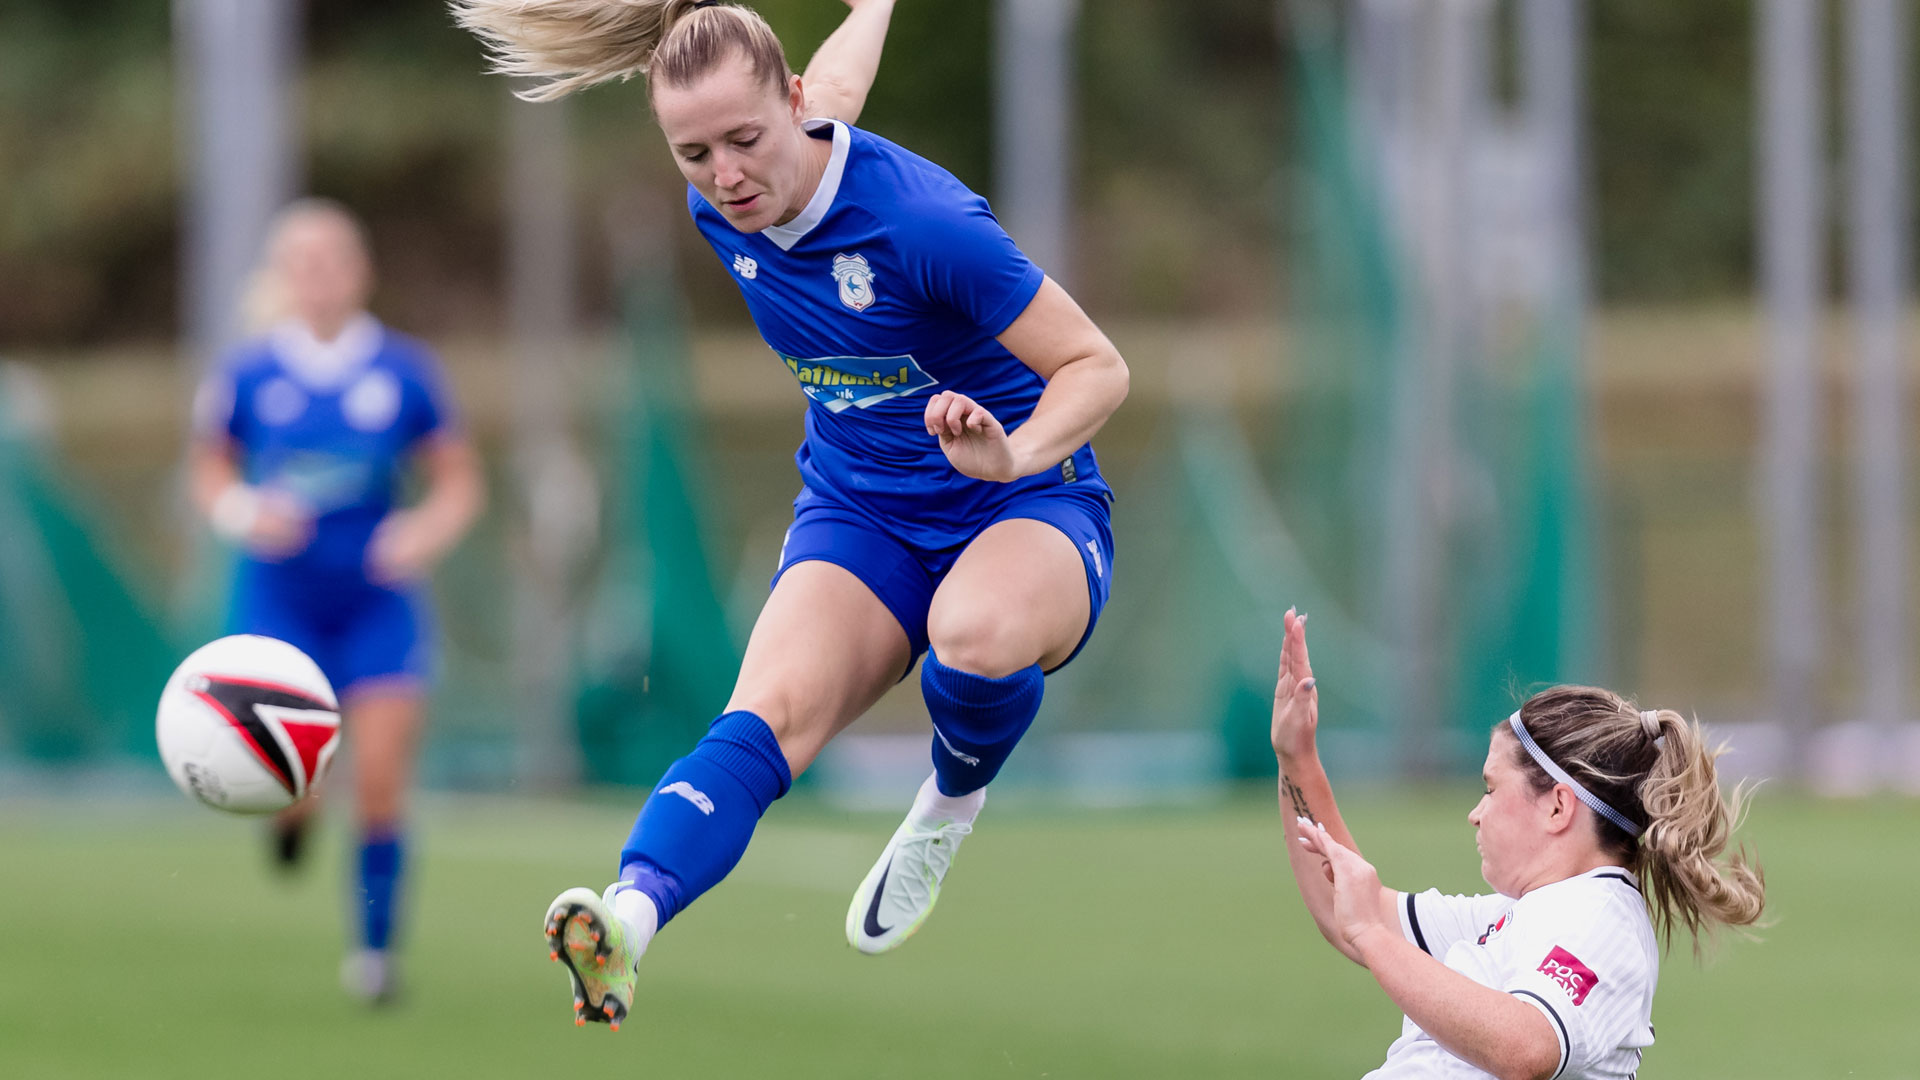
1297,797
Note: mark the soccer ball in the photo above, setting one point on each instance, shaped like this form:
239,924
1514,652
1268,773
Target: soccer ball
247,724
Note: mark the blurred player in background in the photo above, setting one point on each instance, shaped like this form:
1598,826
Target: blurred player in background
951,503
302,438
1600,833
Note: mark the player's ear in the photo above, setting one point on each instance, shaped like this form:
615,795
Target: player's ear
1557,809
796,99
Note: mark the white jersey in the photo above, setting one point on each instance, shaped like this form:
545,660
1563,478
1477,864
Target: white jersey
1582,951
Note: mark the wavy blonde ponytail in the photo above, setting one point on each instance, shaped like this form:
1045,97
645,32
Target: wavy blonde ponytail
1655,768
1688,826
574,44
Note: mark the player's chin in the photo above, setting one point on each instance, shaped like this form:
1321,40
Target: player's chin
749,215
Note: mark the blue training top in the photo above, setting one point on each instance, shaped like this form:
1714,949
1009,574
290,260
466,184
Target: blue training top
890,286
330,423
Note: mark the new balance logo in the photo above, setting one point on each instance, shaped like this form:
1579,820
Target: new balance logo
745,267
690,793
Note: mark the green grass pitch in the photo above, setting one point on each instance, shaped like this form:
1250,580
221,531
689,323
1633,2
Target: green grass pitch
147,939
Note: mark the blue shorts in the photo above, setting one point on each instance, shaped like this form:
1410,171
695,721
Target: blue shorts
359,633
905,577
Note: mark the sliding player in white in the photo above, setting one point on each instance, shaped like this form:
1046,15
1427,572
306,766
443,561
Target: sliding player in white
1599,832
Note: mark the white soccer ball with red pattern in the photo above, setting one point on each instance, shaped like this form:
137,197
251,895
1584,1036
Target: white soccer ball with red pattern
248,724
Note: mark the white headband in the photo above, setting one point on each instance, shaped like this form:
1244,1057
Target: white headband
1593,801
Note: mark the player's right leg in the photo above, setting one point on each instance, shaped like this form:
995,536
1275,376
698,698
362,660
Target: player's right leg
385,654
822,652
385,719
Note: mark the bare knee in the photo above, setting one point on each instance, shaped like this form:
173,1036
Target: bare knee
979,642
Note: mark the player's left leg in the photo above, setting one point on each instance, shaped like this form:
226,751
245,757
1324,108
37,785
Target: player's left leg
1018,603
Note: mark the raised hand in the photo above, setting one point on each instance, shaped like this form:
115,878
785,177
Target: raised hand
972,439
1296,698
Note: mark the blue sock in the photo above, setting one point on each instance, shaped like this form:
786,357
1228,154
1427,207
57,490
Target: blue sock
977,721
696,824
379,880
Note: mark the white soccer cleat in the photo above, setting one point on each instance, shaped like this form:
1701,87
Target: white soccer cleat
899,892
600,952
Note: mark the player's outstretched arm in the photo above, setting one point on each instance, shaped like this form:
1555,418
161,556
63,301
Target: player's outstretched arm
843,68
1488,1028
1306,795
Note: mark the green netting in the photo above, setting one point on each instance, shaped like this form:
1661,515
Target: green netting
1526,569
1224,530
82,652
659,659
1516,585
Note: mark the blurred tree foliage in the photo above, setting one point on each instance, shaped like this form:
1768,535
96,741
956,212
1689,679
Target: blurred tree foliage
1672,110
1178,167
87,188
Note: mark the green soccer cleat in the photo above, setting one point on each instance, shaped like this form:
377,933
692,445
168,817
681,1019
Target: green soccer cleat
600,955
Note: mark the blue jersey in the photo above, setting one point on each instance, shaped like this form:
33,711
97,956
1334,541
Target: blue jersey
331,424
890,286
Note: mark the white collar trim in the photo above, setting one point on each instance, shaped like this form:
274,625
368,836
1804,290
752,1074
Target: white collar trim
785,236
326,364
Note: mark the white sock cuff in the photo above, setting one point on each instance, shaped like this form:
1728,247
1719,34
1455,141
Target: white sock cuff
930,805
636,910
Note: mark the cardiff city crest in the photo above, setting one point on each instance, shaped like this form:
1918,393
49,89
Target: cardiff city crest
856,281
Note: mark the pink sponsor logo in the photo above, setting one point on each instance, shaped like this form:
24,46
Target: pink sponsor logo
1576,978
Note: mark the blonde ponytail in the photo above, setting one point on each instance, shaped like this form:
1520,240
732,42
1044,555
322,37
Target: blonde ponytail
574,44
1656,769
1688,827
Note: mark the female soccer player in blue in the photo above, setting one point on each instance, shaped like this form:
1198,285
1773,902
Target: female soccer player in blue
950,504
300,440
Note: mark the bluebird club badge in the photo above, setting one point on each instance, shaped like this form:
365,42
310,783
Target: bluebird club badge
856,281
